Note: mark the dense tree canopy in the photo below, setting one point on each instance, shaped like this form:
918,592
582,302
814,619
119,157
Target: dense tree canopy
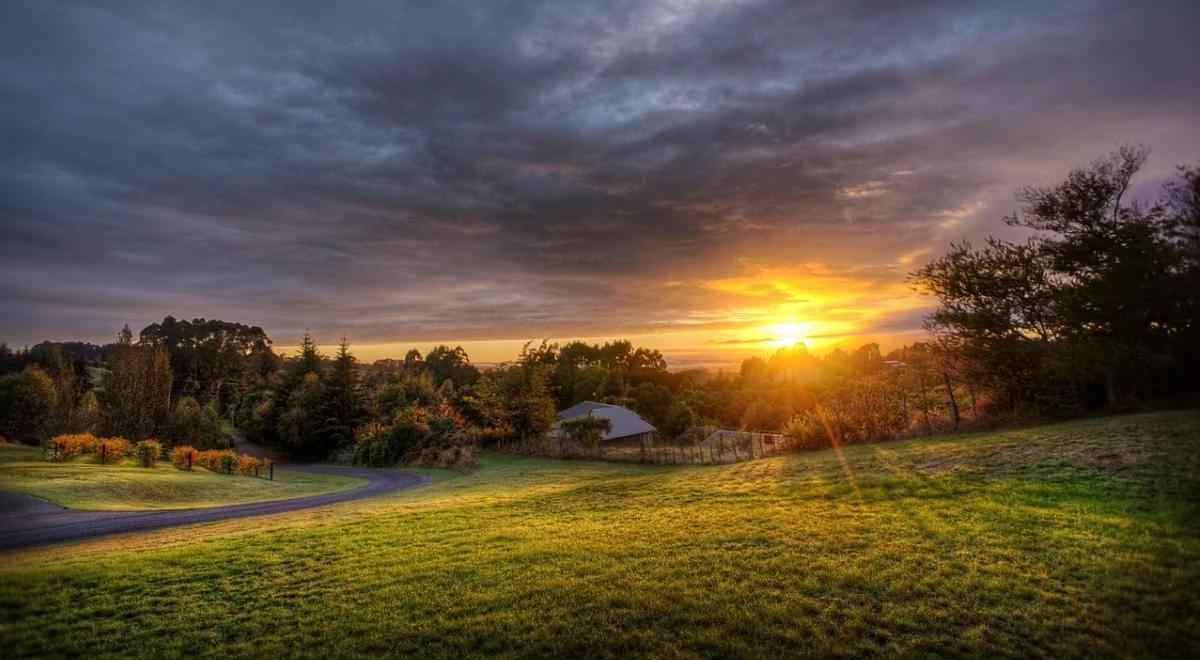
1096,308
212,360
28,400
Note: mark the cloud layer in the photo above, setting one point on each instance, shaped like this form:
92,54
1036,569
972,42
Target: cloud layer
484,171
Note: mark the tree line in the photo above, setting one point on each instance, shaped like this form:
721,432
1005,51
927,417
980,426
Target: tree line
1095,310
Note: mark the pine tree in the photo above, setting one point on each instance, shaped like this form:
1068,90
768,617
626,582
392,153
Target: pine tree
281,404
344,407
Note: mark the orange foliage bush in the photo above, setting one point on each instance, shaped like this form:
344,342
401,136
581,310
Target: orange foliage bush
184,456
69,445
111,451
223,461
217,460
148,452
248,464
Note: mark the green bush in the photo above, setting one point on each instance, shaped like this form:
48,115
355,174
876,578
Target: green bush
195,425
27,401
148,452
807,431
385,445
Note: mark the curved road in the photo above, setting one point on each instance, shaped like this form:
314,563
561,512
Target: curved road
27,521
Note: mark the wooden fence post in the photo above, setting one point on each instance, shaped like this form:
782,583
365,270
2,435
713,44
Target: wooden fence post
761,452
271,470
103,452
953,401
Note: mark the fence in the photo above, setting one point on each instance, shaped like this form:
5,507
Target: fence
714,450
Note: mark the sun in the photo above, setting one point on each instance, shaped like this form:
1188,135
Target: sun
789,334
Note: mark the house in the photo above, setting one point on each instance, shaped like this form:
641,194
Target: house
628,428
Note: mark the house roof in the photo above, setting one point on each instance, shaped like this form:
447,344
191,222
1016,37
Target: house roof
580,409
625,422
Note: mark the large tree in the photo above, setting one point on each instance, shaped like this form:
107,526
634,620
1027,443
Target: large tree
28,400
136,399
1089,310
301,373
452,364
343,408
213,360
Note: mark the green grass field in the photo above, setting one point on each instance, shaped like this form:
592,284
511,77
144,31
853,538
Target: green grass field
83,484
1074,539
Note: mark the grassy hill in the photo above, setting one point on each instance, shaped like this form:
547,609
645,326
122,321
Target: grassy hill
82,484
1080,538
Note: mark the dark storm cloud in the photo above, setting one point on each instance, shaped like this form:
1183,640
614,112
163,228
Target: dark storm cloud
484,170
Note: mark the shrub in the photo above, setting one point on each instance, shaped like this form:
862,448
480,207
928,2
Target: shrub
28,401
67,446
111,451
454,450
196,425
217,460
808,431
184,456
147,452
248,464
381,445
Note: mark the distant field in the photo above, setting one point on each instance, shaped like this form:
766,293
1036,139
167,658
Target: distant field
1074,539
82,484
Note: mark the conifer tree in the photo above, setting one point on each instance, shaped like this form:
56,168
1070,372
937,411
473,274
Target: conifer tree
344,407
285,401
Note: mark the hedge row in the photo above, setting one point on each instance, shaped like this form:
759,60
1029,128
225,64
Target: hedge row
148,452
107,450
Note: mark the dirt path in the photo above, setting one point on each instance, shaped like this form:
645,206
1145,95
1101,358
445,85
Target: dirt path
27,521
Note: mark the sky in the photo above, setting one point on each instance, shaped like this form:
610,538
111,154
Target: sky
713,179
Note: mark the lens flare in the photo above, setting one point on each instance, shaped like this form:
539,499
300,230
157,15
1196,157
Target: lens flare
789,334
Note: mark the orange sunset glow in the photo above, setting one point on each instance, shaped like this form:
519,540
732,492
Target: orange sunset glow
711,211
599,329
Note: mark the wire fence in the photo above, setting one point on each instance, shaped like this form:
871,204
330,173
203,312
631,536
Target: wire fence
719,449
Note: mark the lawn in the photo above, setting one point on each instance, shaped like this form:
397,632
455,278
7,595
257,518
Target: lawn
1074,539
84,484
